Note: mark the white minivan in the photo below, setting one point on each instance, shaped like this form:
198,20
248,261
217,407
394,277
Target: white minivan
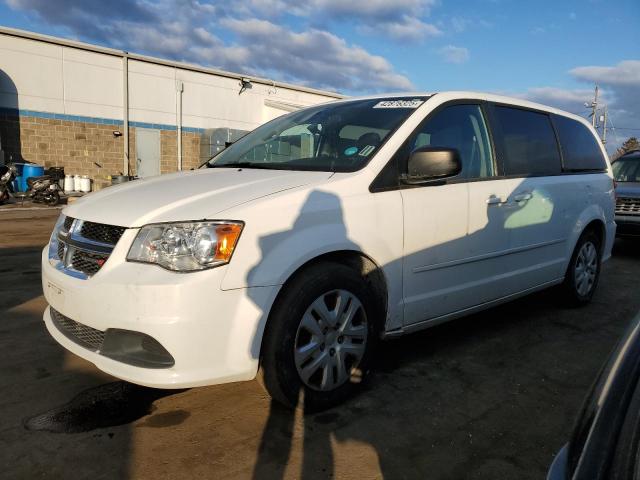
325,230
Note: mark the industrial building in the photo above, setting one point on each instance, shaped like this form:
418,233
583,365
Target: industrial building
98,111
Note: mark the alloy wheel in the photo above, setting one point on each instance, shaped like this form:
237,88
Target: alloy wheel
586,268
331,340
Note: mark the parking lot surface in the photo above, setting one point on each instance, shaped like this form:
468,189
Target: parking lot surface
491,396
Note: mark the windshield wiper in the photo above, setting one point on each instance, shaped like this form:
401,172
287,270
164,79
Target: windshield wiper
244,165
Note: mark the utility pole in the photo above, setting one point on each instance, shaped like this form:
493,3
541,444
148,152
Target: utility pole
594,107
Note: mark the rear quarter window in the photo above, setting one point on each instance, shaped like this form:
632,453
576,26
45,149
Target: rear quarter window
580,149
527,141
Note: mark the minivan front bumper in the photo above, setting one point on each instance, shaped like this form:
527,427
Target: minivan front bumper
212,335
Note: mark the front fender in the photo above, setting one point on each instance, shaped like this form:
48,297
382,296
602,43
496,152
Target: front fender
270,251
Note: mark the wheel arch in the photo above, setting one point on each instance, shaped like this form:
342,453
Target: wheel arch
370,271
592,218
598,227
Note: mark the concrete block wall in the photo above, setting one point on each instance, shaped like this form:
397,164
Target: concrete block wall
169,151
85,148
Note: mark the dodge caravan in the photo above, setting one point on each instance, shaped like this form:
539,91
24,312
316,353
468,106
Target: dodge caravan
305,242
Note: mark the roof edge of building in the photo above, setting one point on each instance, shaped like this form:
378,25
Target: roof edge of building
14,32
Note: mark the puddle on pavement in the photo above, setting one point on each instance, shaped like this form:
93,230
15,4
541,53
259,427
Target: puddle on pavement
107,405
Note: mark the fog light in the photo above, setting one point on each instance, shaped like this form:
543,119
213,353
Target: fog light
135,348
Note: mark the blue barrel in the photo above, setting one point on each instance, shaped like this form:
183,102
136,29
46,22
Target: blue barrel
29,170
18,181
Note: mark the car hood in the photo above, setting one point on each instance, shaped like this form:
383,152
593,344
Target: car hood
628,189
193,195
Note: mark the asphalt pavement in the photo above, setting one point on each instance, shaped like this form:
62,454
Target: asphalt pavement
491,396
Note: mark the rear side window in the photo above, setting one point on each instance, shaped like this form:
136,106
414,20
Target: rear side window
528,142
580,149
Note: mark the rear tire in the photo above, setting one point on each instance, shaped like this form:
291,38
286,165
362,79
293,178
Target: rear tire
583,272
320,338
52,199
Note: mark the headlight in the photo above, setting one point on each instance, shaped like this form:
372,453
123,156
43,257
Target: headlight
186,247
53,241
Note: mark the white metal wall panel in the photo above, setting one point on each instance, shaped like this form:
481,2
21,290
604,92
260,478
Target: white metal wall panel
59,78
35,68
92,84
152,93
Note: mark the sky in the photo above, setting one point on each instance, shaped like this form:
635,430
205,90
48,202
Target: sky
552,52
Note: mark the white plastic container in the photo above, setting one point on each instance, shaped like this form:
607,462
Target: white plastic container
85,184
77,183
68,183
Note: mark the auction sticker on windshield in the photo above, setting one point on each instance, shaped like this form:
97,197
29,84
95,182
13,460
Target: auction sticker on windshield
415,103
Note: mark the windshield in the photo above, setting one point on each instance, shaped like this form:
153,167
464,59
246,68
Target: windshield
340,137
627,169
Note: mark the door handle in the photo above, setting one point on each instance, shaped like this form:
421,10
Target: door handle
522,197
496,199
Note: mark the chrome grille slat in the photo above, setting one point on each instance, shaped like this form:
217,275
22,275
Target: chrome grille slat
100,232
628,206
87,262
83,247
68,221
83,335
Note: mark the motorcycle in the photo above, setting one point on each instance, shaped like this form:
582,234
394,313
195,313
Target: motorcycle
42,189
7,174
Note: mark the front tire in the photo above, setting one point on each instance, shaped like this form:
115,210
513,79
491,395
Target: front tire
583,271
320,338
52,198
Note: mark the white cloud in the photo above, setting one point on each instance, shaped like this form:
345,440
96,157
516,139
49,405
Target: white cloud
374,9
314,54
626,73
192,31
409,29
619,91
453,54
570,100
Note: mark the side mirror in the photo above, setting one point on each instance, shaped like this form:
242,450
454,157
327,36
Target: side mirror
427,164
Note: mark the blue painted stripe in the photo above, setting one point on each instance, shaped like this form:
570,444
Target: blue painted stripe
14,112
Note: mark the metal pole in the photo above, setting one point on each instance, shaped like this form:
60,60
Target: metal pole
179,89
594,107
125,113
604,126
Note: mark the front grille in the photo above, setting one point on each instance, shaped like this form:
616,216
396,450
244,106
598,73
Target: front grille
628,206
88,263
67,223
100,232
81,248
84,336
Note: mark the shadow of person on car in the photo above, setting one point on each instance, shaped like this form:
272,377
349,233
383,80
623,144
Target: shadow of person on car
321,214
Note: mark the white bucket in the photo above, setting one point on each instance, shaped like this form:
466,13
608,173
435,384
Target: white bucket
85,184
77,183
68,183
